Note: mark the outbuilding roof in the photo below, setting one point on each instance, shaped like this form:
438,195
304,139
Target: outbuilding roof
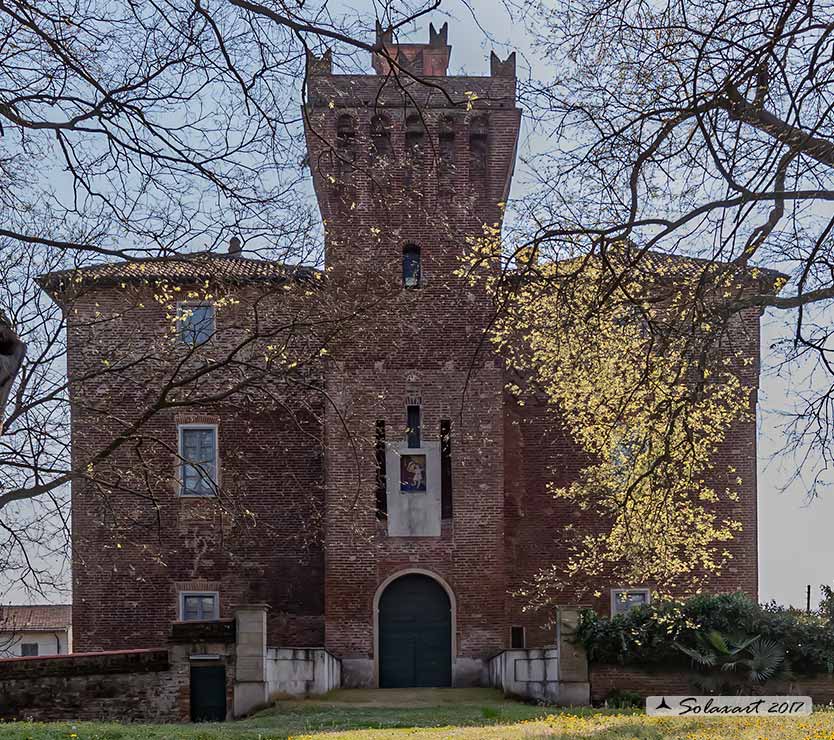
45,618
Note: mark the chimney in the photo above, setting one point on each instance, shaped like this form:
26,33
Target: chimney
234,247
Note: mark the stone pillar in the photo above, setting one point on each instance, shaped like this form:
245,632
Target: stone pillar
250,691
574,687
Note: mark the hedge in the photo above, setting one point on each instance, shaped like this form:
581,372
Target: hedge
646,635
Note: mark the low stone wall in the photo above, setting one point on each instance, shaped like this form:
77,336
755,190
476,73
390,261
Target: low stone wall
149,685
532,674
131,685
301,671
154,685
605,678
557,674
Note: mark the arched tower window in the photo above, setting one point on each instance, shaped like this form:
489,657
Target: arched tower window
411,266
478,146
381,137
415,133
345,146
345,130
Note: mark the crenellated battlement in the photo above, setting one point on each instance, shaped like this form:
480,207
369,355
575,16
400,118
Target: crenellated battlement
410,148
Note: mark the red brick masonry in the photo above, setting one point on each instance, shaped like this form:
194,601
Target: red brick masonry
296,526
129,685
606,678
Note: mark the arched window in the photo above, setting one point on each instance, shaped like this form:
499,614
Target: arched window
446,145
478,145
415,133
345,130
345,145
411,266
380,137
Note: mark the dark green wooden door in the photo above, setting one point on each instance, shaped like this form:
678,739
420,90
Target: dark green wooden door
415,634
208,693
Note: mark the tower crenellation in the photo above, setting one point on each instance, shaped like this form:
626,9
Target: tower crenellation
410,147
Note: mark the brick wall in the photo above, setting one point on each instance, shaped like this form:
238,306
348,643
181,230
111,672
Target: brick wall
134,685
539,449
424,343
142,685
606,678
136,543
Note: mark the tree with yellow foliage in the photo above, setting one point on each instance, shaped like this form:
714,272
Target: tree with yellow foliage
642,369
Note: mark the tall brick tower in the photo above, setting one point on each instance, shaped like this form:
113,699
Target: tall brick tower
408,165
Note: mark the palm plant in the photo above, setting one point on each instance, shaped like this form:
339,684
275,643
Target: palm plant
735,662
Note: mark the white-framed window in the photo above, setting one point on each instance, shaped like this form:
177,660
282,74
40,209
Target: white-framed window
199,453
195,322
28,649
623,599
199,606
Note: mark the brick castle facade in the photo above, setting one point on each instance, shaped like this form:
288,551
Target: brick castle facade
300,499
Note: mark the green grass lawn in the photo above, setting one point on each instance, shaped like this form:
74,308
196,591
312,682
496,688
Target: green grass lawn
465,714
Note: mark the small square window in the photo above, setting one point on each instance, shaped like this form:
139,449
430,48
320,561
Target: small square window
29,649
624,599
196,322
517,638
199,607
198,456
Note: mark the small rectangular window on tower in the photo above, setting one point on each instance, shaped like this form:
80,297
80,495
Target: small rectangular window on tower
411,266
381,481
445,469
412,431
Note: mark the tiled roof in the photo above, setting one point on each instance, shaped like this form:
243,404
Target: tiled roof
658,262
671,265
184,269
35,618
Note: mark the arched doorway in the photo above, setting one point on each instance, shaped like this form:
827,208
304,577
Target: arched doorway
415,633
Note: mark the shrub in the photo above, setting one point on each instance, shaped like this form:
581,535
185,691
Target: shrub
623,699
646,635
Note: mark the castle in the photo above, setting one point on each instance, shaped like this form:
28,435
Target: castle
383,494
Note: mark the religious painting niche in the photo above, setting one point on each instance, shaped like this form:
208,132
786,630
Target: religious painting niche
413,473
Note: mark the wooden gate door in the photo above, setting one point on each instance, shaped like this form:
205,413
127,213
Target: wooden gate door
208,693
415,634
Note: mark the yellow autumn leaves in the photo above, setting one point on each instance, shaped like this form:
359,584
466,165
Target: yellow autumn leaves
648,388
